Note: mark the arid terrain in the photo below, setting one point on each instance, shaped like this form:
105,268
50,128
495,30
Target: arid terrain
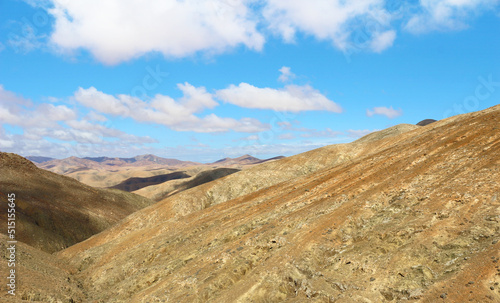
410,213
109,172
54,211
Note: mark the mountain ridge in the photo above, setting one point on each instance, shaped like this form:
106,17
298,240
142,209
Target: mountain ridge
302,238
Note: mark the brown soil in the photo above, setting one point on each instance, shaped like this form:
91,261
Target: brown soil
407,214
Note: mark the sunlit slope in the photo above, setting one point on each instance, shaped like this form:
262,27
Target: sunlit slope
410,217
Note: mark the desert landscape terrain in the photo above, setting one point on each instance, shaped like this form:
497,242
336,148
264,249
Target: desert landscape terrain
410,213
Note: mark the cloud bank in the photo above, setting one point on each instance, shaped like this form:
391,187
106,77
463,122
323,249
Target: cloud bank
292,98
115,31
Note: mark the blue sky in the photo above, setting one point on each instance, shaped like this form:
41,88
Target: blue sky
221,78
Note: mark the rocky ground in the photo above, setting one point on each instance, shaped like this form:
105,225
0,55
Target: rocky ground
407,214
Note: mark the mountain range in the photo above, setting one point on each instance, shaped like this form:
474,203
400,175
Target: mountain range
409,213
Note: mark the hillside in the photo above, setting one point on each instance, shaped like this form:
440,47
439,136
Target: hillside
163,190
75,164
404,214
411,216
133,184
241,161
54,211
108,172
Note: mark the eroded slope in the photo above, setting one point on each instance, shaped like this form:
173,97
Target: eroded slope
412,217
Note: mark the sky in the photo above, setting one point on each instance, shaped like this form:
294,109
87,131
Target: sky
204,80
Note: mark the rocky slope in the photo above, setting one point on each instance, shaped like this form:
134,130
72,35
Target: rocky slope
172,187
241,161
54,211
406,214
414,216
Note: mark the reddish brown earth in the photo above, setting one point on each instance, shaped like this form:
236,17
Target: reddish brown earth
406,214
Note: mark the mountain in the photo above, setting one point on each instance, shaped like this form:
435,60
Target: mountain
54,211
404,214
243,160
108,172
426,122
133,184
411,216
39,159
166,189
75,164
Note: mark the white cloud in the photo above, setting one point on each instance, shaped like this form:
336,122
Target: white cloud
16,110
389,112
176,114
114,31
117,30
101,102
344,23
446,14
286,74
93,116
44,124
291,98
382,40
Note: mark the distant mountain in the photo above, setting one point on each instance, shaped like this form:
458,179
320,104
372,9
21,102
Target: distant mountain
54,211
74,164
243,160
133,184
163,190
426,122
147,159
39,159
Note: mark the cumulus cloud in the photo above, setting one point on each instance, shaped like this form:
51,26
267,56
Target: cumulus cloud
51,130
116,30
389,112
446,14
286,74
14,110
292,98
344,23
176,114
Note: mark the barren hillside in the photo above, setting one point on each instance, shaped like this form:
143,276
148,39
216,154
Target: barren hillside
54,211
406,214
413,216
166,189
